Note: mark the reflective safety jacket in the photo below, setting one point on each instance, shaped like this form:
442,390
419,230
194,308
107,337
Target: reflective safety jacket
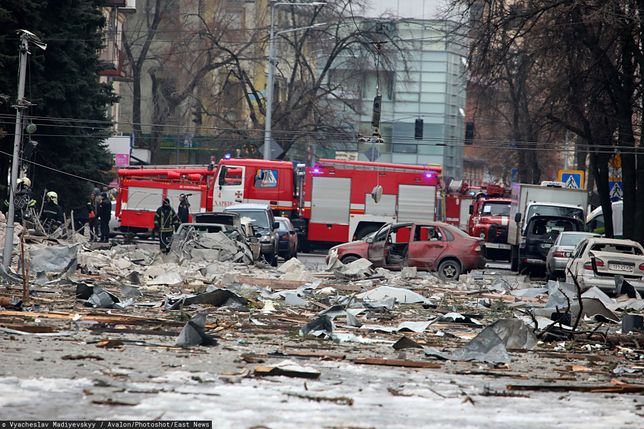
165,219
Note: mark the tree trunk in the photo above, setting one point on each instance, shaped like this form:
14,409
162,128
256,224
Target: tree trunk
136,107
639,213
628,183
600,167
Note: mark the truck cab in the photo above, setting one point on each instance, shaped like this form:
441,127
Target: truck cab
528,201
255,181
489,221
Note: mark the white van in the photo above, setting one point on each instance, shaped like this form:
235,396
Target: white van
595,220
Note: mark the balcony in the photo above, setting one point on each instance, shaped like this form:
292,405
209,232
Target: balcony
123,5
111,60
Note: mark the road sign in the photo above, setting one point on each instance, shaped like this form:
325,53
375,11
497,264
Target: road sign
372,153
515,175
573,179
615,191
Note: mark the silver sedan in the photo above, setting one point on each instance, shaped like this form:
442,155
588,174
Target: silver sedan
561,250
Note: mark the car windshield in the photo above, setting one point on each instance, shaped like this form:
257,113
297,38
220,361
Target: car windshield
284,226
616,248
571,212
369,236
496,209
208,228
549,229
572,239
257,217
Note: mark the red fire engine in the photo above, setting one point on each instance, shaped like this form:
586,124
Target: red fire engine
332,202
142,189
346,200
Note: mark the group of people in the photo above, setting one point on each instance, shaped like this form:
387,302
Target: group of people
99,209
51,214
99,213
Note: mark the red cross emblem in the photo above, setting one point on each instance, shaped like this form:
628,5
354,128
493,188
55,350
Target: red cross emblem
238,194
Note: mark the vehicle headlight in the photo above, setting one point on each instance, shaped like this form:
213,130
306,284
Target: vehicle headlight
482,235
265,239
333,251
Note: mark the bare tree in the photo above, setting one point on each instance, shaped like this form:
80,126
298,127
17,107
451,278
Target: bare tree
592,92
138,36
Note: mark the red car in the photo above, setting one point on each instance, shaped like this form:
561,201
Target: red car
433,246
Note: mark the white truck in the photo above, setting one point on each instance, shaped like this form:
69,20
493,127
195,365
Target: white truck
530,200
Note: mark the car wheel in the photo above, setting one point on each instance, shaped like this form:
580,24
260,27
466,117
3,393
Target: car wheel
348,259
449,270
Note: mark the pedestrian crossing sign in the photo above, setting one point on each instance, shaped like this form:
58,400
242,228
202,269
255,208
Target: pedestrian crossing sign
572,179
615,190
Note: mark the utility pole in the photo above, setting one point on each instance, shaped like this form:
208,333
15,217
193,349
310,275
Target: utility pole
271,69
21,104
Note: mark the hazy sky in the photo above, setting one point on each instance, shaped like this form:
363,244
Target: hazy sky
423,9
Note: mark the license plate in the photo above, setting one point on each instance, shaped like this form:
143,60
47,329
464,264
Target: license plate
621,267
546,245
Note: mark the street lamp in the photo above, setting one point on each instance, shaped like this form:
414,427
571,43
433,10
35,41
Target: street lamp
271,69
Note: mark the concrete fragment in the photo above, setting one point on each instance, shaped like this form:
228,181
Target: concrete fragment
288,368
402,326
170,278
401,295
193,333
291,265
408,273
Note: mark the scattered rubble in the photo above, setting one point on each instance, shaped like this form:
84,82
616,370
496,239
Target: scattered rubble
208,291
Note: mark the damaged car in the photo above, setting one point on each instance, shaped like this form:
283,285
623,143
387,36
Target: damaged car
215,242
433,246
596,262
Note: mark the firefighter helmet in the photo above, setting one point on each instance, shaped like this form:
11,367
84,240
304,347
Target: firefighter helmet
52,196
24,181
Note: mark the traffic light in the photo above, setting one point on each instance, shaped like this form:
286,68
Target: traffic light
418,130
196,115
375,115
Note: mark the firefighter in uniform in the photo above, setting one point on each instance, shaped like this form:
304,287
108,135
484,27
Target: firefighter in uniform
184,209
104,215
165,221
24,200
52,215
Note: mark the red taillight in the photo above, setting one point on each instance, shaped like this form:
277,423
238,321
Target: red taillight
589,266
641,267
559,254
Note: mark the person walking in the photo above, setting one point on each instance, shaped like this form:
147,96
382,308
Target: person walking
165,221
92,212
104,215
184,208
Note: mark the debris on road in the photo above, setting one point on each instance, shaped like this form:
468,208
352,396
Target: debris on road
288,368
128,299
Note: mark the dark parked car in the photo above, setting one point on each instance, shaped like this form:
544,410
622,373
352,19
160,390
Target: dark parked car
541,232
433,246
287,244
261,217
